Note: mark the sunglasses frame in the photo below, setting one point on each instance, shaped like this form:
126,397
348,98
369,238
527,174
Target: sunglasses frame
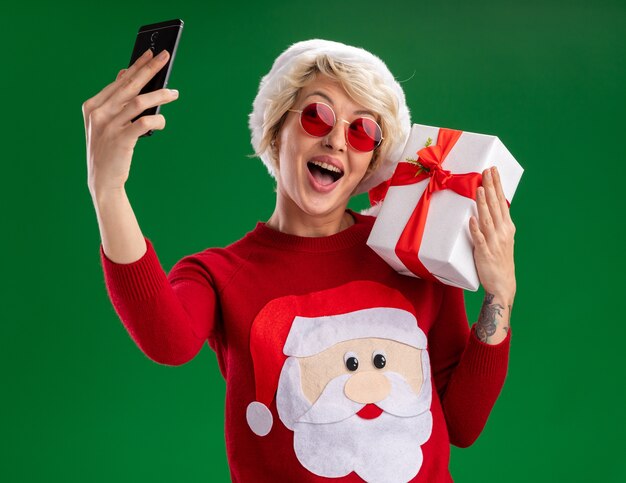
300,111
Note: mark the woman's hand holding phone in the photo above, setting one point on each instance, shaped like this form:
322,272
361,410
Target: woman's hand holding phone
110,134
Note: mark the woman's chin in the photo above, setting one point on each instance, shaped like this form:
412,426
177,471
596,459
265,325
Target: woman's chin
316,200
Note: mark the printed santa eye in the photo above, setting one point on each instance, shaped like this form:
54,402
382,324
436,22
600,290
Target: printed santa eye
351,361
379,359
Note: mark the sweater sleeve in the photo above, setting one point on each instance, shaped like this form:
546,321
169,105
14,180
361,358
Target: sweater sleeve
468,374
169,319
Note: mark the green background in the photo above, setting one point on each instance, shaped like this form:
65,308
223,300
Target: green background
80,401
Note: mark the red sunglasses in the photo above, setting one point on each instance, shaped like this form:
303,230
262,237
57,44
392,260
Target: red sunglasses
318,119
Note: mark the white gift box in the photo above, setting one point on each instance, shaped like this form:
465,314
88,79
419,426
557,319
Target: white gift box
446,249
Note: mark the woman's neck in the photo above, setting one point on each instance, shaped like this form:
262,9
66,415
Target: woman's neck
293,221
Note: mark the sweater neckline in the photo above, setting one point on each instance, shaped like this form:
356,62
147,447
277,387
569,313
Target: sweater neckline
353,235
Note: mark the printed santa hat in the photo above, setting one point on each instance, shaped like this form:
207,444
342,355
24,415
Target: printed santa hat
272,83
304,325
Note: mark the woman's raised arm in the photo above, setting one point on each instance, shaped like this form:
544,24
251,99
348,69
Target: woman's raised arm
111,138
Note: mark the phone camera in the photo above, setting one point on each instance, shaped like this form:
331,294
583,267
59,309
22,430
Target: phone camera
153,39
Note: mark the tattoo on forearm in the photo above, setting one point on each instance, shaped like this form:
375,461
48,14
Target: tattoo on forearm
486,325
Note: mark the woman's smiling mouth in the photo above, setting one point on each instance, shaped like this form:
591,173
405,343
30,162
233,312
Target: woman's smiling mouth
324,172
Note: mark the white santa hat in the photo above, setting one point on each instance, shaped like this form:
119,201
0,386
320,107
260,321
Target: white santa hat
304,325
271,84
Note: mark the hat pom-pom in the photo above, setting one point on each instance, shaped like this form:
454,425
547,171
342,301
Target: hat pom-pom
259,418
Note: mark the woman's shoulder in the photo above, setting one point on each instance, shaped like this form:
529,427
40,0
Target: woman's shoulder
216,262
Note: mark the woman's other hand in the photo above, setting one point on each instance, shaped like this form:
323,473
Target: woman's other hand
493,233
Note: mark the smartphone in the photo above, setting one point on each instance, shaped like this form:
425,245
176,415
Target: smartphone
156,37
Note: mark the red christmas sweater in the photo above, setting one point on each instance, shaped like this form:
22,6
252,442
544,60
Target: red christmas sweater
216,295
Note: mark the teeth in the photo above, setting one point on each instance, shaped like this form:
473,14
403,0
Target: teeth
329,167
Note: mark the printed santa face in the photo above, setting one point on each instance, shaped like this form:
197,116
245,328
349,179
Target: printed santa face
355,388
361,404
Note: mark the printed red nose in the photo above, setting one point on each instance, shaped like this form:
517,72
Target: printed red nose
370,411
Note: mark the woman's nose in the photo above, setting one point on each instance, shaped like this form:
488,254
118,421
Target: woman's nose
336,139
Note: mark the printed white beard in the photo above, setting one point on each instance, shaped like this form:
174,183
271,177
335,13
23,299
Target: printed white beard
382,450
330,440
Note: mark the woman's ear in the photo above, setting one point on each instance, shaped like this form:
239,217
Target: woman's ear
274,145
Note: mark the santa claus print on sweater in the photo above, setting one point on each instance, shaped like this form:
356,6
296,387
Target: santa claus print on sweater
350,372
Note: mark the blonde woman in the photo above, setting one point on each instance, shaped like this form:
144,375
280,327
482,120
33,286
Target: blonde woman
335,365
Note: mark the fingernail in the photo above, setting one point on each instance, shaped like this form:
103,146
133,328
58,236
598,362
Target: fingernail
174,92
488,174
162,54
146,53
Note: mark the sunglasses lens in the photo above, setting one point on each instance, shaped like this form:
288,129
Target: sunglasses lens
364,134
317,119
